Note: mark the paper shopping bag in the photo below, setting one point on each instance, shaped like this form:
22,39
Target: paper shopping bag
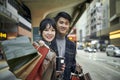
74,77
18,52
37,71
5,72
81,76
25,70
87,76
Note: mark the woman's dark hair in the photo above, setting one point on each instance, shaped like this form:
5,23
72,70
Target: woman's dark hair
45,22
64,15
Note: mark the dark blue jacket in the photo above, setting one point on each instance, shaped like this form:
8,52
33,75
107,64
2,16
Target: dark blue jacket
70,54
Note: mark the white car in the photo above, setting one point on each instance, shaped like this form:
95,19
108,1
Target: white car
90,50
112,50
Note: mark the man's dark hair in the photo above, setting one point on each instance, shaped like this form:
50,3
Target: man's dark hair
44,23
64,15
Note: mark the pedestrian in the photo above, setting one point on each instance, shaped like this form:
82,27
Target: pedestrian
62,45
47,30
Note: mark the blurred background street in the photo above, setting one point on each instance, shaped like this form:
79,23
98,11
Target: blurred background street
95,28
99,65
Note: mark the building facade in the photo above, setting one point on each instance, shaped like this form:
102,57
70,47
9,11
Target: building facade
102,23
14,20
114,30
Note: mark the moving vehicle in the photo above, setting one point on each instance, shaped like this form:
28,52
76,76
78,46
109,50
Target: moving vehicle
90,50
80,47
112,50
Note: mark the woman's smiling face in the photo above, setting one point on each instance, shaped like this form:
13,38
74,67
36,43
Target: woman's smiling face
48,33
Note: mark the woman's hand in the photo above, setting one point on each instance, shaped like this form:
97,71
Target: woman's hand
42,43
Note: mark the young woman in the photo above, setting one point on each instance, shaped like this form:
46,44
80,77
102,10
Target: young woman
46,71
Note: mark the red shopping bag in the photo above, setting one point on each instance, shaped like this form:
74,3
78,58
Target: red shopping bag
74,77
37,71
81,76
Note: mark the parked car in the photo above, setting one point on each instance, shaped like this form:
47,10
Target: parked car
90,50
80,47
112,50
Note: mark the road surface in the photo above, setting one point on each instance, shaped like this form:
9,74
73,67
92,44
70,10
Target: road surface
100,66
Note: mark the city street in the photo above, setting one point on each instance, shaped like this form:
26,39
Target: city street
100,66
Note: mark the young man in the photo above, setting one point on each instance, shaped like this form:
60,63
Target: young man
62,45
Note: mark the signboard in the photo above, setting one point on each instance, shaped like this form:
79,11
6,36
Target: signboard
3,36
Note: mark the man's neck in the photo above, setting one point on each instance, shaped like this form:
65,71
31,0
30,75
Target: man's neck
60,36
